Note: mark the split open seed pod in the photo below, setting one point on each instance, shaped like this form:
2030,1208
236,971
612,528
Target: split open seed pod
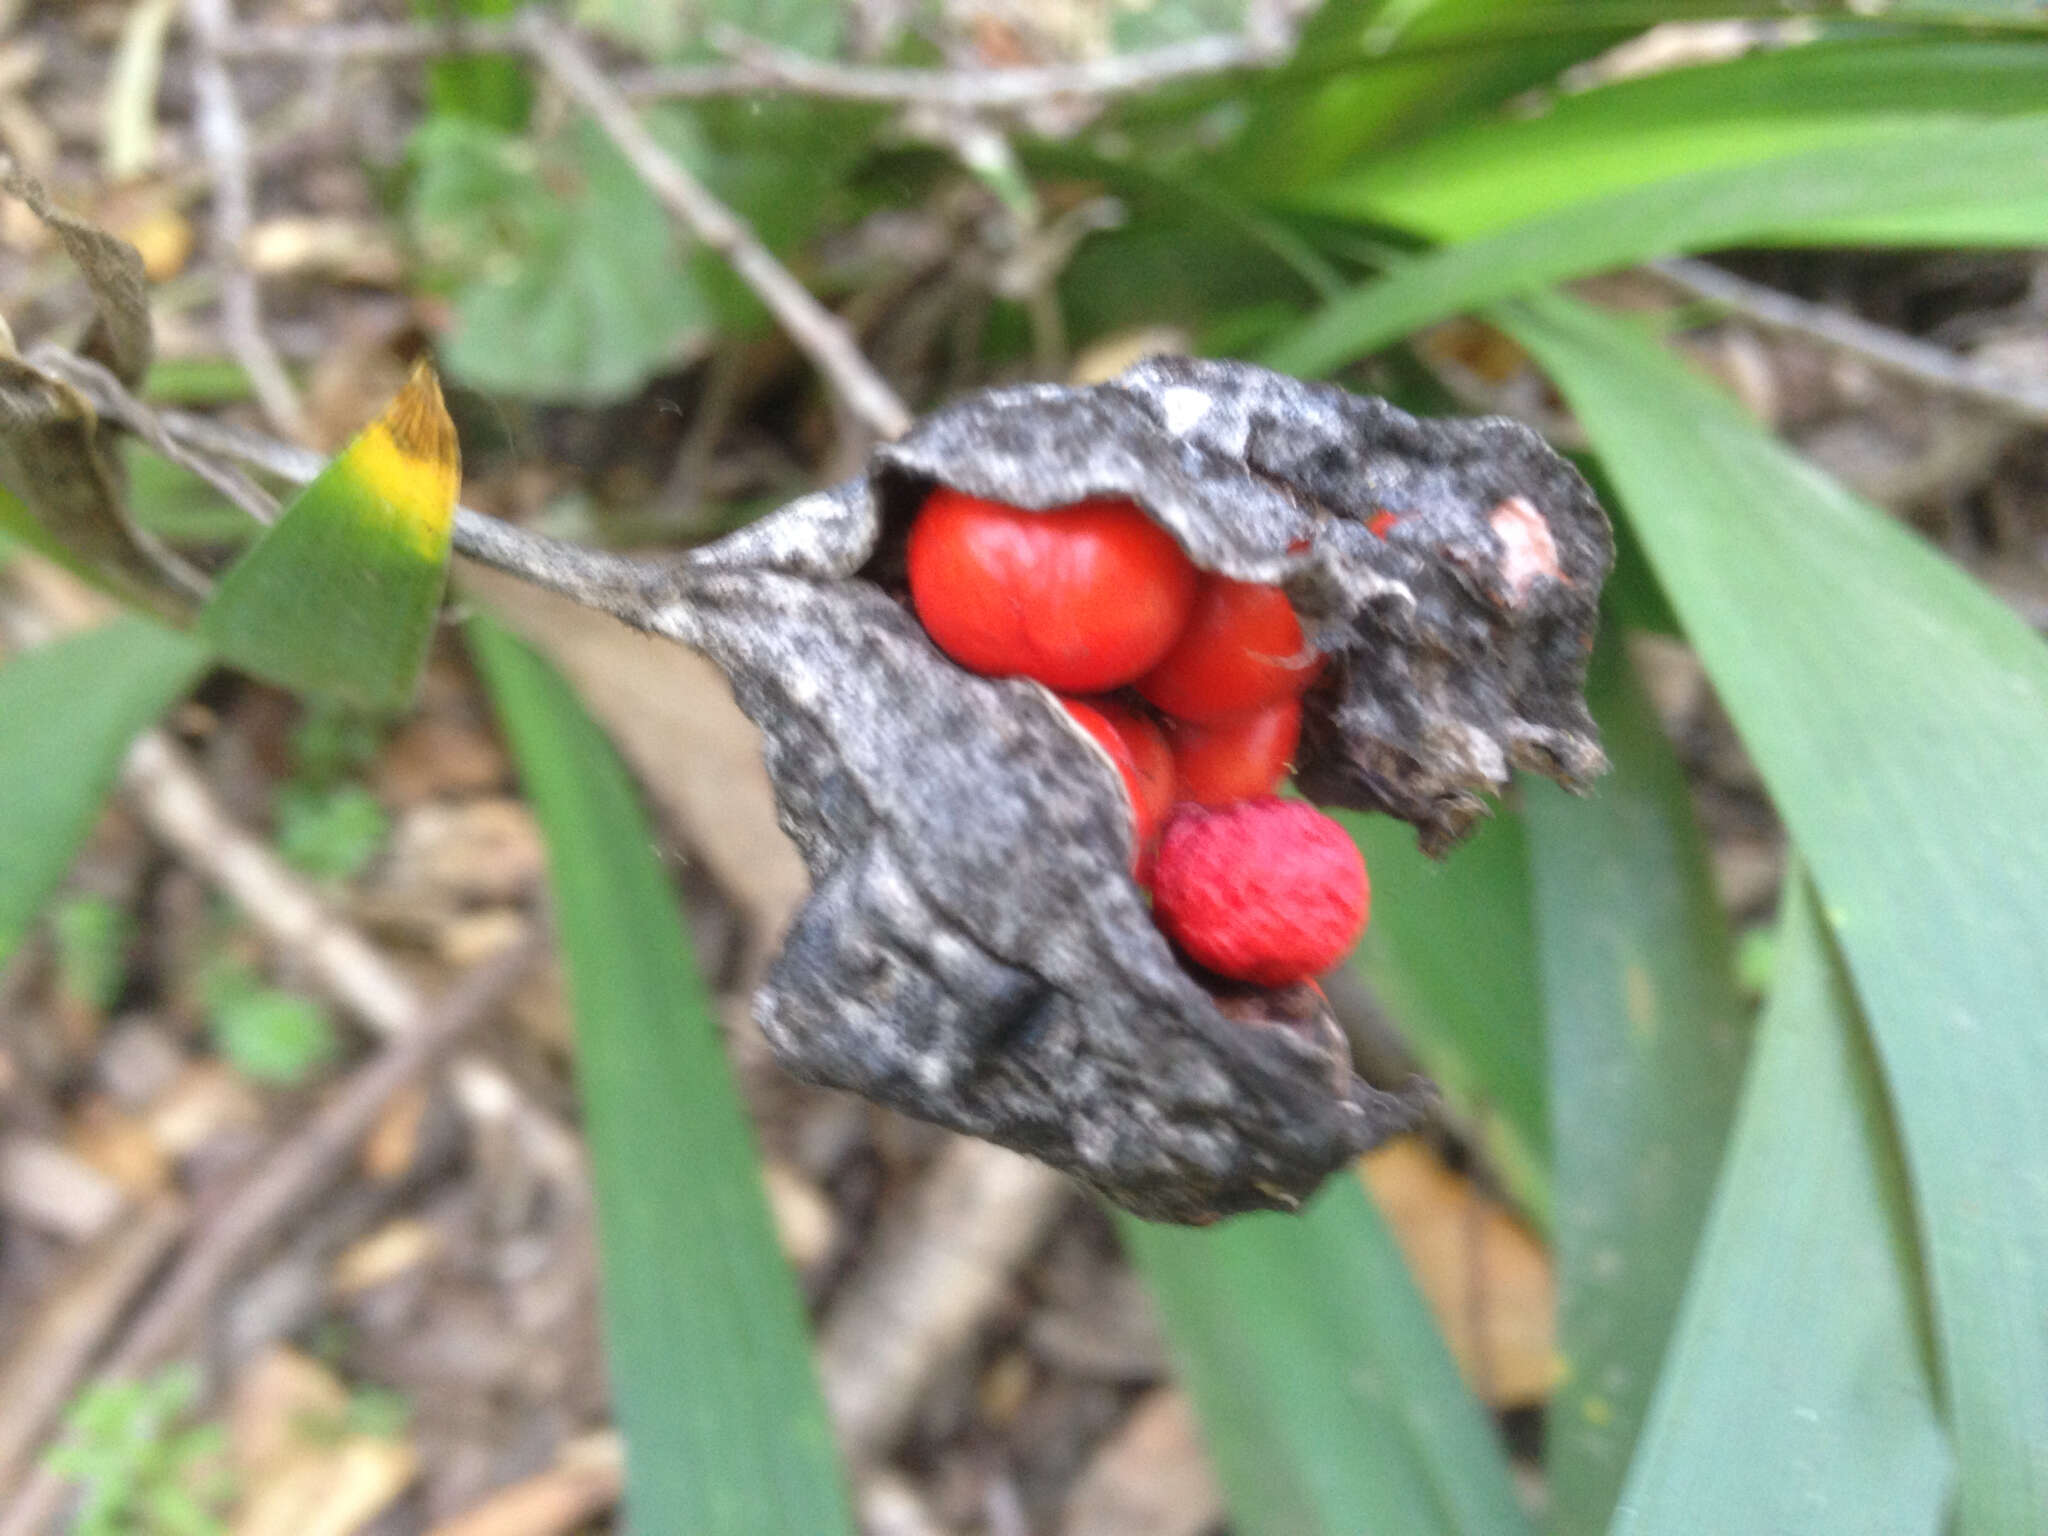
974,951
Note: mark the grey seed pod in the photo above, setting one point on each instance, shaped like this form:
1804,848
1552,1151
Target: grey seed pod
974,951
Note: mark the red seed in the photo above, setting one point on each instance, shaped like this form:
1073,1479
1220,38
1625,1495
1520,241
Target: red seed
1083,598
1242,648
1244,756
1143,758
1267,891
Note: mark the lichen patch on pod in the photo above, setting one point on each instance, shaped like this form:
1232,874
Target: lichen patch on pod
975,951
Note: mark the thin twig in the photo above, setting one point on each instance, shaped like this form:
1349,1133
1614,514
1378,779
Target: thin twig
1120,74
1907,356
225,139
99,385
936,1271
179,809
815,329
758,67
368,41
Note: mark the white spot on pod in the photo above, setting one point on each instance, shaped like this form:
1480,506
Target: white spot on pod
1183,408
1527,548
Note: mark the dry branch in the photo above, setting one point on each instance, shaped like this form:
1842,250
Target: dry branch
1906,356
935,1273
178,807
759,67
1120,74
224,137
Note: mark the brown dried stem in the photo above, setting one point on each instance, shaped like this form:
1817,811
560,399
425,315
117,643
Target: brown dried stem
935,1274
759,67
1905,356
1120,74
179,809
224,137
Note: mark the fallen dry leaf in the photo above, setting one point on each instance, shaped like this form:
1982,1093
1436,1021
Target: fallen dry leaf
384,1255
1487,1280
1151,1478
302,1473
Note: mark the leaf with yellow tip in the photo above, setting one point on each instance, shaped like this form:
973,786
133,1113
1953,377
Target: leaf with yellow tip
340,597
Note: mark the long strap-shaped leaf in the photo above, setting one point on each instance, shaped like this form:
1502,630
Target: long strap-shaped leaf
1485,173
1326,1395
1646,1045
1472,1011
711,1376
1797,1397
1899,715
68,711
1977,182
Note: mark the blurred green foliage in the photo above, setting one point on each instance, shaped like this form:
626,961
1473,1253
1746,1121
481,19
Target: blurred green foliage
272,1035
91,935
140,1467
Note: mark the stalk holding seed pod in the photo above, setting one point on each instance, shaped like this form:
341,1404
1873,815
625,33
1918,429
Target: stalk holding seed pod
974,951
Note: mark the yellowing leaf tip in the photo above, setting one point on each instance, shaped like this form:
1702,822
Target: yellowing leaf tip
418,421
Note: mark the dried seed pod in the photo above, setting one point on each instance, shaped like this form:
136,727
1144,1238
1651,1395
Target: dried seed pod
974,951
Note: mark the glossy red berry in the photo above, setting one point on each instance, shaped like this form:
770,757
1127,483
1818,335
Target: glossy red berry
1142,757
1267,891
1242,648
1083,598
1244,756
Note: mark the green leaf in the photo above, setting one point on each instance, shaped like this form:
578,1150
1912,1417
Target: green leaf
68,711
1899,715
1327,1398
272,1035
1469,1007
92,935
168,500
1798,1395
491,90
1646,1046
331,833
1961,176
340,597
1369,75
1482,176
710,1360
568,281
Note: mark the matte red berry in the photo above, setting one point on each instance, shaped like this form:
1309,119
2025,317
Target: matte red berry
1139,750
1242,648
1246,755
1267,891
1083,598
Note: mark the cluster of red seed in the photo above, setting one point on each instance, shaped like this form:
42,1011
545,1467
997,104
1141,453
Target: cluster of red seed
1192,685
